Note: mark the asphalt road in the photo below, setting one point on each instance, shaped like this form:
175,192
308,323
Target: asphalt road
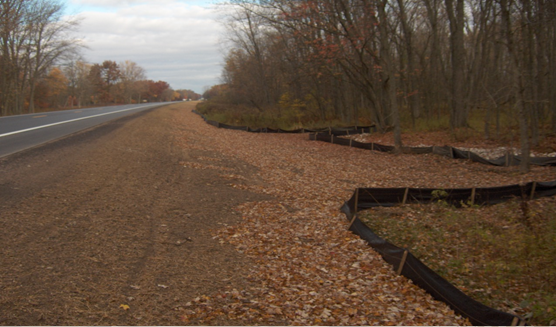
21,132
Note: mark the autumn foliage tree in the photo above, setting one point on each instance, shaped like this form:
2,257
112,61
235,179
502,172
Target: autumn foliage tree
78,84
381,60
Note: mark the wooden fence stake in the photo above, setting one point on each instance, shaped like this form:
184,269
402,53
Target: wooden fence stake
405,195
331,138
355,208
473,191
352,221
402,263
533,190
356,199
350,140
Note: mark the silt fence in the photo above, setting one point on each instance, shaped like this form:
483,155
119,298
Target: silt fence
408,265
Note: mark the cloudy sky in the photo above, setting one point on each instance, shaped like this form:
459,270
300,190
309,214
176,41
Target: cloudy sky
173,40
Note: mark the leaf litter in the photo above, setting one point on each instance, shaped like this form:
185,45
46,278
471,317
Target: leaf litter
309,269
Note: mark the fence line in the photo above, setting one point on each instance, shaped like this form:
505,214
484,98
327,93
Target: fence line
403,261
447,151
350,130
409,266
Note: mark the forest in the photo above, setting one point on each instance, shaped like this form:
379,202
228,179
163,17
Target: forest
41,67
482,64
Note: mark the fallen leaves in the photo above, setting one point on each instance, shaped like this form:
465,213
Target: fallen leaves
309,268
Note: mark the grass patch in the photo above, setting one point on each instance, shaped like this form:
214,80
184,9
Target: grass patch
287,119
502,255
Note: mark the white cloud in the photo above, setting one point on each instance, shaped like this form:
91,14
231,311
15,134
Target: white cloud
175,41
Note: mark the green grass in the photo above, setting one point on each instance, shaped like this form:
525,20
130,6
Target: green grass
502,255
239,115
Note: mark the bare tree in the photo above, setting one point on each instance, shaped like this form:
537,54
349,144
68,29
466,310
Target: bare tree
34,36
131,74
79,85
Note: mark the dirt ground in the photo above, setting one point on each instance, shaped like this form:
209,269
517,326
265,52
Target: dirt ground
108,228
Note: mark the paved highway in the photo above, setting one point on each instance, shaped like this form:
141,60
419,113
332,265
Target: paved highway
25,131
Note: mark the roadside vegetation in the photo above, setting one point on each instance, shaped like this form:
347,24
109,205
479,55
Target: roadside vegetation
501,255
41,68
396,63
449,72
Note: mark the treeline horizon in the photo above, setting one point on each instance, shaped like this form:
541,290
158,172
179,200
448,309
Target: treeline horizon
78,84
41,69
381,60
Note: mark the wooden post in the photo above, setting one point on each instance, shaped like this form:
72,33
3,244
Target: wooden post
372,146
352,221
331,138
533,190
402,263
350,140
356,198
405,195
355,208
473,196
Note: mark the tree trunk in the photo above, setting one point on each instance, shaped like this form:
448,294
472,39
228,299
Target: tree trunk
518,87
458,117
413,97
390,82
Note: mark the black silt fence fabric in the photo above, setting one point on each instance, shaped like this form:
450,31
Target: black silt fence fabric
447,151
337,131
413,268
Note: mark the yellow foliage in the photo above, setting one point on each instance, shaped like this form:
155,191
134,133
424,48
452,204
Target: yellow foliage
57,81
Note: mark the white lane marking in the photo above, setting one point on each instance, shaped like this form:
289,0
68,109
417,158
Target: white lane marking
68,121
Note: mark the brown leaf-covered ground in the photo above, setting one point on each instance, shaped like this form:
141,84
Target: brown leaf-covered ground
312,271
165,220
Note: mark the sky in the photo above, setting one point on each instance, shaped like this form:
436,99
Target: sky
176,41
